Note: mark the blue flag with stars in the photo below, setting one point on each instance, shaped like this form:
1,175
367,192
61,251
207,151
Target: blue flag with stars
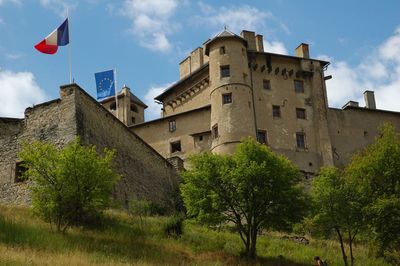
105,84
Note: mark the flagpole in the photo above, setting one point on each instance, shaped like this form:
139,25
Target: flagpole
116,91
69,48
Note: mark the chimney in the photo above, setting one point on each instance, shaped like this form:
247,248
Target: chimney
250,37
184,67
196,59
369,98
259,43
302,51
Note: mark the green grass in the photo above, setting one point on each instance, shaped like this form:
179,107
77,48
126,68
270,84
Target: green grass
25,240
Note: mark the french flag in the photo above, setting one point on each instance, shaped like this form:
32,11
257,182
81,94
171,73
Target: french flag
59,37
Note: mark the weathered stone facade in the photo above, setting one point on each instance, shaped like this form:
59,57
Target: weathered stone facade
230,88
145,174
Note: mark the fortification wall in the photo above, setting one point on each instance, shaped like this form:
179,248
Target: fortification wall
52,121
145,173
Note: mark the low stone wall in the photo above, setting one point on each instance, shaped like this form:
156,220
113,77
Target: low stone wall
15,193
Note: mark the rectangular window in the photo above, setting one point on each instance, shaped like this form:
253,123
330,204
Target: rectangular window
299,86
301,113
226,98
172,125
301,140
262,136
225,71
266,84
276,111
20,169
133,120
176,146
215,133
222,50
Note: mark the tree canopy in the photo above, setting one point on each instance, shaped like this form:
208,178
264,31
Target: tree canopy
71,186
252,189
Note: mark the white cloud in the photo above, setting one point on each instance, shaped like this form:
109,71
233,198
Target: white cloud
60,7
18,91
154,109
275,47
236,18
380,72
14,56
152,22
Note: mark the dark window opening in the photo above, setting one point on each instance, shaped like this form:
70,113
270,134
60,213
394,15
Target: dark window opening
301,140
301,113
276,111
299,86
215,133
225,71
176,146
222,50
226,98
133,120
134,108
200,138
20,169
172,126
266,84
113,106
262,136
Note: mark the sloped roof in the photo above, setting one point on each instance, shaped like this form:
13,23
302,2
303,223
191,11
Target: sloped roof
223,34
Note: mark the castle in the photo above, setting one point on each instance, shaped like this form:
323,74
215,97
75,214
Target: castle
228,89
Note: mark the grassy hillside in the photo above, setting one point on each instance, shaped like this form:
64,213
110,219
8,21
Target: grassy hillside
25,240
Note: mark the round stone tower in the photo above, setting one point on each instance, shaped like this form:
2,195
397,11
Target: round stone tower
232,113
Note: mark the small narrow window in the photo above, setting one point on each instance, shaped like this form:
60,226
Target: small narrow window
299,86
113,106
134,108
215,133
301,113
200,138
262,136
222,50
225,71
20,169
266,84
276,111
301,140
133,120
176,146
172,125
226,98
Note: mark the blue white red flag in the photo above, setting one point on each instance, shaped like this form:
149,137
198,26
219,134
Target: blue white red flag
105,84
59,37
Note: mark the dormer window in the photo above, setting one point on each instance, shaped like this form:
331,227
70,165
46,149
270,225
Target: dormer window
134,108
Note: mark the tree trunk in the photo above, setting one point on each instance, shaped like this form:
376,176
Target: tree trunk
351,249
253,243
342,246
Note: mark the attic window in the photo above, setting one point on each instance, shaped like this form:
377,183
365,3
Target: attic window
222,50
113,106
134,108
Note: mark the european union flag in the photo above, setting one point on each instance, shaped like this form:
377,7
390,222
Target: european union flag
105,84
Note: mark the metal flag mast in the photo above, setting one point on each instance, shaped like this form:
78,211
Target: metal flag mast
69,48
116,91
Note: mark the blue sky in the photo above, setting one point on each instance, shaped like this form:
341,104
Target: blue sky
146,40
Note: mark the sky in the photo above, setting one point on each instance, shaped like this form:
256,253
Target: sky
144,40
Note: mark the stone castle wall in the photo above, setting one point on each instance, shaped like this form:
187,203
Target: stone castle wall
146,175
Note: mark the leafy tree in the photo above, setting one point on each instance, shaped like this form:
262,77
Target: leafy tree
337,206
253,189
71,186
376,171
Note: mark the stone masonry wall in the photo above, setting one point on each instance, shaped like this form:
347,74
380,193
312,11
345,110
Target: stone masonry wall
146,174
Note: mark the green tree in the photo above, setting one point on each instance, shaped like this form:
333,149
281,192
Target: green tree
337,206
376,171
71,186
253,189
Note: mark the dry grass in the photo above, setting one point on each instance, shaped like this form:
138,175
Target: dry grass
25,240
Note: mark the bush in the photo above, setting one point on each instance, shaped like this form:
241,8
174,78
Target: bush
71,186
174,226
